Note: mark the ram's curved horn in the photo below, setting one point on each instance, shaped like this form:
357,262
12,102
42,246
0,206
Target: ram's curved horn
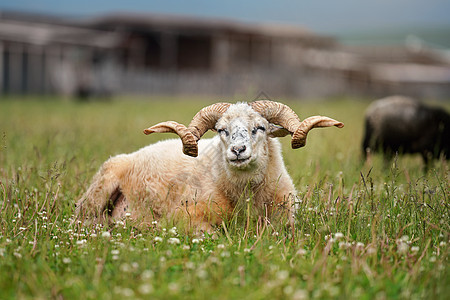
281,114
207,118
299,136
204,120
188,139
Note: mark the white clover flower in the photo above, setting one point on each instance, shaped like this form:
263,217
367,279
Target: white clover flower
221,246
196,241
106,234
202,274
145,288
301,252
288,290
93,235
442,244
173,231
115,252
158,239
147,274
415,249
174,241
66,260
17,254
125,268
300,295
173,287
127,292
372,250
402,248
225,254
190,265
115,257
154,222
81,242
338,235
127,214
186,247
282,275
404,238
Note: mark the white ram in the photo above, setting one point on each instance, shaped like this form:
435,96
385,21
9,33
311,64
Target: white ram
204,186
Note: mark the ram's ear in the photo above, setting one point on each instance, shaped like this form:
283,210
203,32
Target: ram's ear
277,131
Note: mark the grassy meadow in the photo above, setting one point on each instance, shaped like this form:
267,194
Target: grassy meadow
365,230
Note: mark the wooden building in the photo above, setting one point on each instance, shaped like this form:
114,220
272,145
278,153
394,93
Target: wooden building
156,54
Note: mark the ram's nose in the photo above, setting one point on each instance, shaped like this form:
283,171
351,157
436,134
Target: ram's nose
237,150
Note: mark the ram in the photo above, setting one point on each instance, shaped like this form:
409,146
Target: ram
399,124
241,164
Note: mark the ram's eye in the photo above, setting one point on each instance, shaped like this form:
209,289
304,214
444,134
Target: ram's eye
223,131
255,130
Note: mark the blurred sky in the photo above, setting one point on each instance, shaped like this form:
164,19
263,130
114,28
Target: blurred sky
333,16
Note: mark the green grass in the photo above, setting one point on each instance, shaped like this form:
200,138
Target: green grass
363,231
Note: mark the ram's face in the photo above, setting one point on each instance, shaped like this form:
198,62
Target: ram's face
243,135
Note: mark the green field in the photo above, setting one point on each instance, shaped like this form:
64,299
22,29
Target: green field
364,230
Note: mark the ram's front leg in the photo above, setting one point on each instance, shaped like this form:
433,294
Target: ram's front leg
205,215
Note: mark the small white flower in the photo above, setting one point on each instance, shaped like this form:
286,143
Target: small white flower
154,222
344,245
196,241
115,252
66,260
186,247
158,239
147,274
145,289
106,234
173,231
402,248
202,274
371,250
415,249
442,244
282,275
221,246
225,254
338,235
81,242
247,250
190,265
127,292
125,268
301,252
174,241
300,295
127,214
359,246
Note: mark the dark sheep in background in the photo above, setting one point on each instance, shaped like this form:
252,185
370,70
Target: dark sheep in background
400,124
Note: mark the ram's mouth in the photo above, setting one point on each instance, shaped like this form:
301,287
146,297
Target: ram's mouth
240,162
